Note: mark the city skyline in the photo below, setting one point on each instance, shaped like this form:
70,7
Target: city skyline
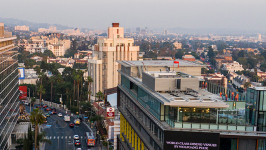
193,14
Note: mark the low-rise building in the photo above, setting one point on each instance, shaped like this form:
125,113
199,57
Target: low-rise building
240,80
188,58
232,67
22,28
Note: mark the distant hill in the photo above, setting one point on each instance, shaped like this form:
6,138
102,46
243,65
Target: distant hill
33,26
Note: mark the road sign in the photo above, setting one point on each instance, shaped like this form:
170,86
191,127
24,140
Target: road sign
110,112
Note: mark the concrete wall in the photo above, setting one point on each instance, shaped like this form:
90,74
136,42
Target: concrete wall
148,80
192,83
165,84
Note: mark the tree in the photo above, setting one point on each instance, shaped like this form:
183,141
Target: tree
179,54
211,53
90,80
247,85
36,118
99,95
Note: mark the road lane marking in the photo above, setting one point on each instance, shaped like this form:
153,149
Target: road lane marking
69,137
81,137
50,137
54,137
66,137
62,137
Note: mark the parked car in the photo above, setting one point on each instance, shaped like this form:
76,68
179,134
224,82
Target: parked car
60,115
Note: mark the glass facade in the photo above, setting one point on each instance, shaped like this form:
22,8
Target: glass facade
9,92
256,108
148,101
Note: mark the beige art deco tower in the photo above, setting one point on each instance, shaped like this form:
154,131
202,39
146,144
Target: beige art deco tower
103,66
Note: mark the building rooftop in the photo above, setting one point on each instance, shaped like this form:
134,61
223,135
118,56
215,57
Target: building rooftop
169,63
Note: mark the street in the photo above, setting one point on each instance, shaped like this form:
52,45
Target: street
61,135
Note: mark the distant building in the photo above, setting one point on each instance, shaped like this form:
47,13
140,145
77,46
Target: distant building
58,47
22,28
188,58
240,80
51,29
177,45
31,77
259,37
232,67
103,66
67,62
217,79
164,58
220,59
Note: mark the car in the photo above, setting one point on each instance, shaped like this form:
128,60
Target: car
76,137
44,106
60,115
48,109
47,115
54,112
78,149
77,142
26,103
71,125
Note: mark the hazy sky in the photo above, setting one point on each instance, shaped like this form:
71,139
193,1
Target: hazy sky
99,14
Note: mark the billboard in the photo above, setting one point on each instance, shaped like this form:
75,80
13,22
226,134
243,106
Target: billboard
110,112
23,92
21,73
183,140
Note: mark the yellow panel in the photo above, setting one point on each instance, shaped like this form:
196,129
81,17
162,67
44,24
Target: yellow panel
136,141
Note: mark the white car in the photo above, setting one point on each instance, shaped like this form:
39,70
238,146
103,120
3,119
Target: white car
60,115
76,137
78,149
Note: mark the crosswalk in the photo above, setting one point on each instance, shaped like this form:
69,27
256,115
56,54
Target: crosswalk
61,137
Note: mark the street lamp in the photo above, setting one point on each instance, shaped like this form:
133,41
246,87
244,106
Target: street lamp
61,101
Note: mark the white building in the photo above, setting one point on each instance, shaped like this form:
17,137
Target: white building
232,67
22,28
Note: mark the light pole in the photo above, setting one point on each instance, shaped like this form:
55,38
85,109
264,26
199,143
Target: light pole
61,101
29,100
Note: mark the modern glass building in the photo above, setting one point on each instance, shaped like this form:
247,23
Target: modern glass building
161,106
9,93
256,108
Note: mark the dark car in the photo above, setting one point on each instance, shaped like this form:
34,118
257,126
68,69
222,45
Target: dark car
77,142
48,109
44,106
71,125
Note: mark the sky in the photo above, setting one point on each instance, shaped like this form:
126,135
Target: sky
99,14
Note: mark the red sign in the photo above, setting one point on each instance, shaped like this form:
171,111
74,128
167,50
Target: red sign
110,112
23,92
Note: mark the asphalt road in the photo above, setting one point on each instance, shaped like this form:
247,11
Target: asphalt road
61,135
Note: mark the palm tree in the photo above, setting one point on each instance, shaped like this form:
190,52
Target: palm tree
52,80
99,95
41,89
90,80
36,118
78,77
